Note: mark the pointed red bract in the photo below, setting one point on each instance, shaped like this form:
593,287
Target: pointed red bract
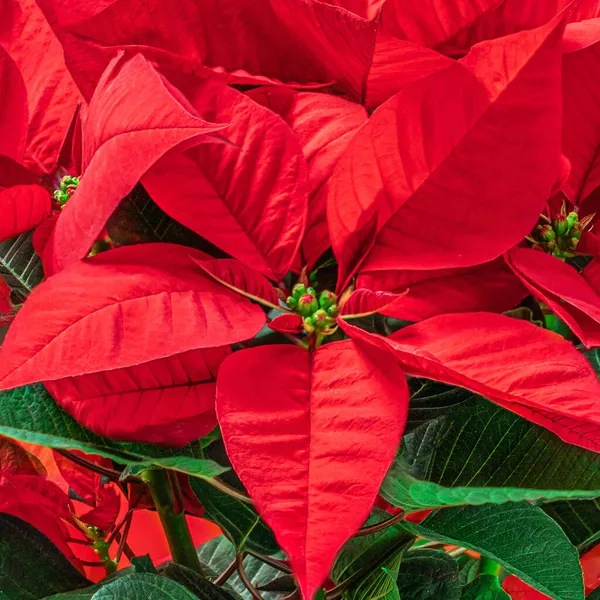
122,308
52,95
23,207
563,289
15,460
13,108
324,125
398,64
424,171
240,278
311,438
169,401
491,287
523,368
289,323
249,196
133,119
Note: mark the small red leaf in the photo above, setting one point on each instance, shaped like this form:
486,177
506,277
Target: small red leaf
122,308
523,368
365,302
311,438
241,279
290,323
23,207
562,288
124,134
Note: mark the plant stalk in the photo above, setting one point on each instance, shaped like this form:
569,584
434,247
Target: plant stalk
173,521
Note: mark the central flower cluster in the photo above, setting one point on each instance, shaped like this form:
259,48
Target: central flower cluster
560,235
67,187
317,314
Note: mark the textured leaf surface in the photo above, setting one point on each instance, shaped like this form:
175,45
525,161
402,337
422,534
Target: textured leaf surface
303,433
372,553
240,278
52,96
240,520
219,553
143,586
424,155
32,566
23,208
13,122
401,489
429,575
324,125
529,370
20,266
198,585
29,414
103,299
124,135
255,215
504,533
485,587
569,295
491,287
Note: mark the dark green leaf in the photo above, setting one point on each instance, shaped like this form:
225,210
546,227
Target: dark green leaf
143,564
143,586
219,553
29,414
468,568
284,583
363,560
202,588
483,445
20,266
428,575
579,520
240,520
520,537
595,595
431,400
402,489
485,587
31,566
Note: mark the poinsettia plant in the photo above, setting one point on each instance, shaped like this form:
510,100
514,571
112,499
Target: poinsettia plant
300,299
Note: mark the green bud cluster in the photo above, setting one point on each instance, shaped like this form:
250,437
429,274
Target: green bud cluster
67,188
560,236
318,314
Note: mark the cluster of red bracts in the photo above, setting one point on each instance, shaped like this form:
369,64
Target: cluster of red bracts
424,143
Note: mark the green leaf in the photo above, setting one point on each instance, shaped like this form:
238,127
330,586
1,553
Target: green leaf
595,595
31,566
30,414
428,575
143,586
402,489
143,564
20,266
198,585
485,587
483,445
468,568
240,520
520,537
431,400
363,559
579,520
219,553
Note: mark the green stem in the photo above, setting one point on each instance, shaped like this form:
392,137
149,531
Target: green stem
488,566
173,522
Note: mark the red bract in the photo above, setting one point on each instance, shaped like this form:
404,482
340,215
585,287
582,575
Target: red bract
160,306
303,433
392,207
